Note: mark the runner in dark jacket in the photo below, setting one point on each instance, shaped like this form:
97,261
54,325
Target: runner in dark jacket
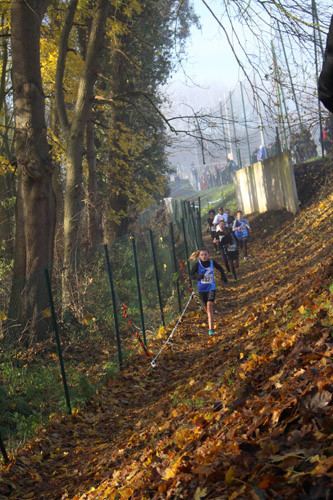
210,228
325,81
229,250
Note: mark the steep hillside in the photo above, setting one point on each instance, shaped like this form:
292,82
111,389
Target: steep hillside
245,414
311,178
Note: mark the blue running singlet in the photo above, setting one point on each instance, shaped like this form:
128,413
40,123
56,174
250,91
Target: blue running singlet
208,282
241,229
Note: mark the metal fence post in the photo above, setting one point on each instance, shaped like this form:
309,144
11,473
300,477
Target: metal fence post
315,21
194,231
3,451
156,276
239,158
183,211
278,142
245,123
56,332
186,247
199,228
114,304
175,264
139,289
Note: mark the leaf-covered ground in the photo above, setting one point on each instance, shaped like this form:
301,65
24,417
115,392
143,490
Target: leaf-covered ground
244,414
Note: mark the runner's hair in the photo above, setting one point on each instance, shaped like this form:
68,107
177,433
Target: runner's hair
195,255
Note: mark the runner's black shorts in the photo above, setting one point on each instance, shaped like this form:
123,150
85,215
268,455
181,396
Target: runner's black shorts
213,235
232,255
207,296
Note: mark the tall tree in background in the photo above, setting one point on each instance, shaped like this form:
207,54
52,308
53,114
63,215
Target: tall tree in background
75,130
5,131
35,204
140,61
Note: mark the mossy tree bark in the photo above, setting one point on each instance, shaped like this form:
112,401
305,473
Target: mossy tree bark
95,232
35,205
73,199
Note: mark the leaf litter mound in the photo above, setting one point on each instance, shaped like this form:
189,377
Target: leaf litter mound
244,414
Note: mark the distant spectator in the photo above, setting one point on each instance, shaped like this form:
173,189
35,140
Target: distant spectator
261,154
218,175
323,139
210,179
327,137
204,181
254,156
232,165
303,145
194,174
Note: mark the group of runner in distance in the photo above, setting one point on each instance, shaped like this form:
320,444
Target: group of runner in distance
229,236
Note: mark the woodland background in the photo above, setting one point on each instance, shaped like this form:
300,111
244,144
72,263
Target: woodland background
82,134
85,130
84,141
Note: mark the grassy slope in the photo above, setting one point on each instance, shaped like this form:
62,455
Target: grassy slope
246,414
227,193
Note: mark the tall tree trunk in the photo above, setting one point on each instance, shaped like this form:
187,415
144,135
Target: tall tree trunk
35,210
94,206
116,205
73,190
4,61
5,232
59,194
4,192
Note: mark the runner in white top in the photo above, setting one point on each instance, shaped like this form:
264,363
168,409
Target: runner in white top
220,216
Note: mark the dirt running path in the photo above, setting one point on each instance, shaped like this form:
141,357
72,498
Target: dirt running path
79,453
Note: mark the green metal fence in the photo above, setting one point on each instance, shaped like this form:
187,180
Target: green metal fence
120,295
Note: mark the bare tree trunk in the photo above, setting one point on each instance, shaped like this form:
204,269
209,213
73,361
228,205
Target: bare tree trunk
4,59
58,188
4,213
35,210
116,204
59,194
73,191
94,206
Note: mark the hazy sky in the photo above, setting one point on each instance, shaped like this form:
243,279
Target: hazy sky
211,71
208,73
210,65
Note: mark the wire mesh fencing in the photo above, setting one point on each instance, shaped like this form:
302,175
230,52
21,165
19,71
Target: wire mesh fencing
85,322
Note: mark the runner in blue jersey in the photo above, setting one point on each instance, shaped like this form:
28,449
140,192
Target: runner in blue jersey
242,228
203,271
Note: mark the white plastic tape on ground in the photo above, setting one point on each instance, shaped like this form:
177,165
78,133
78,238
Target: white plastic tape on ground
153,362
214,201
208,202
